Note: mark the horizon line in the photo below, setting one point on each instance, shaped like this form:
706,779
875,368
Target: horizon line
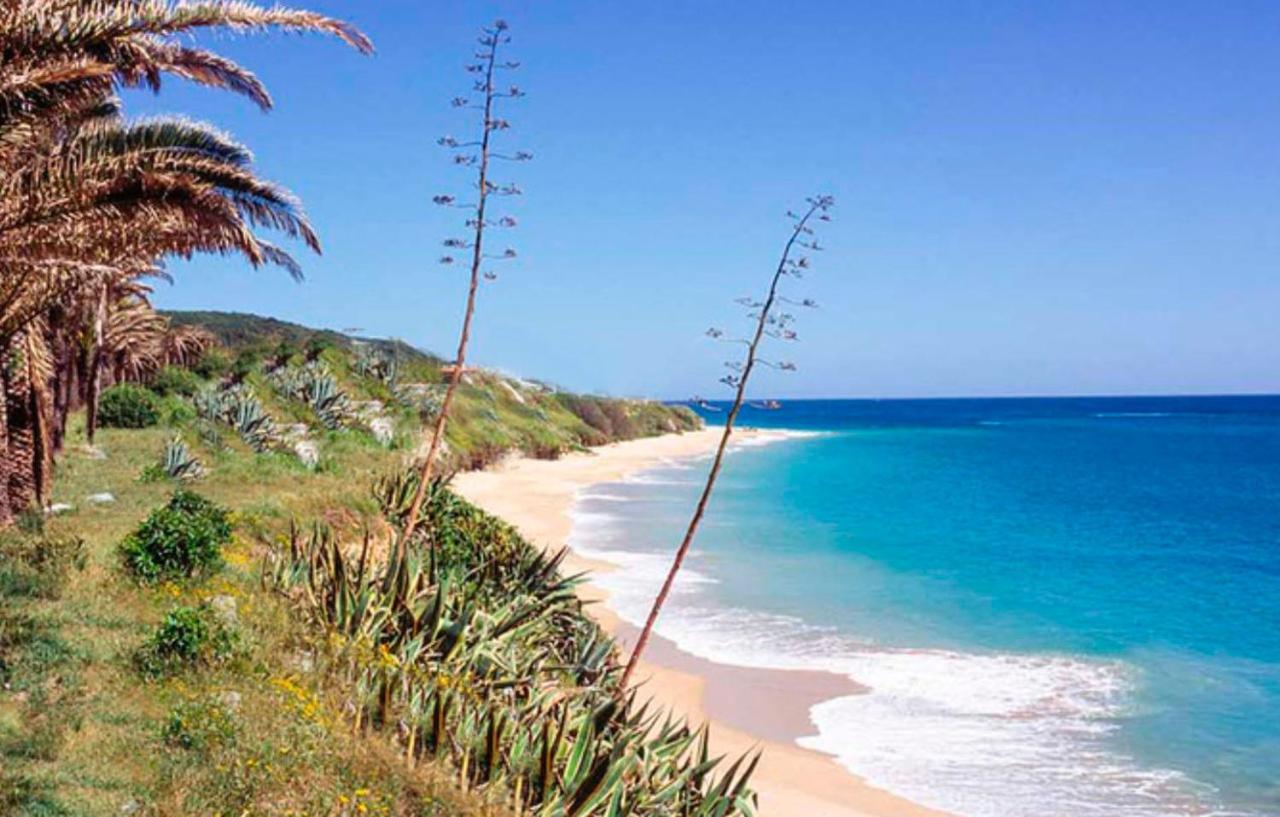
1086,396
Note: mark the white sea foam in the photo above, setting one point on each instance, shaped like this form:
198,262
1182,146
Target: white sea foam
602,496
766,436
995,735
1106,414
979,735
644,479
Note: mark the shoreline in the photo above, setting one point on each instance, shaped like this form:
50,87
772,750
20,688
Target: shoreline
747,707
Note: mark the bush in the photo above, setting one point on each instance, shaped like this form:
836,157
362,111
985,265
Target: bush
182,539
200,725
317,345
176,411
128,406
213,364
188,637
175,380
245,364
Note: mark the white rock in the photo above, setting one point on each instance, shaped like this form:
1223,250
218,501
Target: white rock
224,607
384,431
104,498
308,452
303,661
59,507
511,390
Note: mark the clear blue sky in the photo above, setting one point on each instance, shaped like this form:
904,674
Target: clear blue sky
1034,198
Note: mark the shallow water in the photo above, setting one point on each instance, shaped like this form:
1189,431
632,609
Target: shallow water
1061,606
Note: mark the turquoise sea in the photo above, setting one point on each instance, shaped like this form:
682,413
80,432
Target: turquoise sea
1061,606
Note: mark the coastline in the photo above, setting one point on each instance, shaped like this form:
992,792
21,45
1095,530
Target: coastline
747,707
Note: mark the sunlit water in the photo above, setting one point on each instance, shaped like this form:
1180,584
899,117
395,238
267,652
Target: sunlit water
1061,607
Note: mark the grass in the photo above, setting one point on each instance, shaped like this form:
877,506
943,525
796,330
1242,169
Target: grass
84,732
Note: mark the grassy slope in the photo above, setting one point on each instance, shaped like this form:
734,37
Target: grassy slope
492,412
82,734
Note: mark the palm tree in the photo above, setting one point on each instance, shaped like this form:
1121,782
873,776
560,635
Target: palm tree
90,202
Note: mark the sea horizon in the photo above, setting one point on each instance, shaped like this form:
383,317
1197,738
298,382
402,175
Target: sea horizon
726,402
1057,603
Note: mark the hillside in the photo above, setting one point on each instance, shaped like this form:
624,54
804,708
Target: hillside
204,620
493,413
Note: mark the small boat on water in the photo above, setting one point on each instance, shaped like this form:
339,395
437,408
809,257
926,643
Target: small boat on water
766,405
704,405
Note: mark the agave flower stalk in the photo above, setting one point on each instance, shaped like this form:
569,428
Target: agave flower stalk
768,323
486,66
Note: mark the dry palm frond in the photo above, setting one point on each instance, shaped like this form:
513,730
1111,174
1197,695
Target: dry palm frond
133,337
89,203
185,345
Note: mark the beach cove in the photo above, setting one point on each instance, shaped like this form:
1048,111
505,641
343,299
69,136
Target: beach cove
746,706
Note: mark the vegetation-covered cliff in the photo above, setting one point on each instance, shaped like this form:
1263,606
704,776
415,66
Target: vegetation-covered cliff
204,622
494,413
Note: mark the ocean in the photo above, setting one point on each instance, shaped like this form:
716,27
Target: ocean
1062,607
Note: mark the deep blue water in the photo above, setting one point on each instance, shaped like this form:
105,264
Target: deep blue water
1062,606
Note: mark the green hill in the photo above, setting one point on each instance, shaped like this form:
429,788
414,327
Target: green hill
493,413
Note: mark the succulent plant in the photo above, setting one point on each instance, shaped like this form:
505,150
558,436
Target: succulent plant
476,652
177,462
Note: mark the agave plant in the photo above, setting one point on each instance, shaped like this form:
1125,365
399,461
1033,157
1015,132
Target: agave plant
240,408
253,425
375,363
425,398
486,662
177,462
316,386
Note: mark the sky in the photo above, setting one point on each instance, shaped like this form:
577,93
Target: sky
1032,198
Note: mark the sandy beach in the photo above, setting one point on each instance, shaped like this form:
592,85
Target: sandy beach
747,707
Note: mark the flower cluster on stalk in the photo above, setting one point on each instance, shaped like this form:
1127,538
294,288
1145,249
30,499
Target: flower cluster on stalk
766,316
486,96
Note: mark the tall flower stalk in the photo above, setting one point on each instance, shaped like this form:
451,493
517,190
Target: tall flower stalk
478,155
768,323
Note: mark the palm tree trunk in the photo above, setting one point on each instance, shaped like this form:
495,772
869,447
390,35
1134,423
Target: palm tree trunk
39,372
93,378
19,425
64,386
6,510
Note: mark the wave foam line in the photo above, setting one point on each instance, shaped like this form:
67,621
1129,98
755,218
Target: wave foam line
978,735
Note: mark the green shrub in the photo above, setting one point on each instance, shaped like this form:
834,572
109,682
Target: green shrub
175,380
200,725
177,411
213,364
184,538
188,637
128,406
245,364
